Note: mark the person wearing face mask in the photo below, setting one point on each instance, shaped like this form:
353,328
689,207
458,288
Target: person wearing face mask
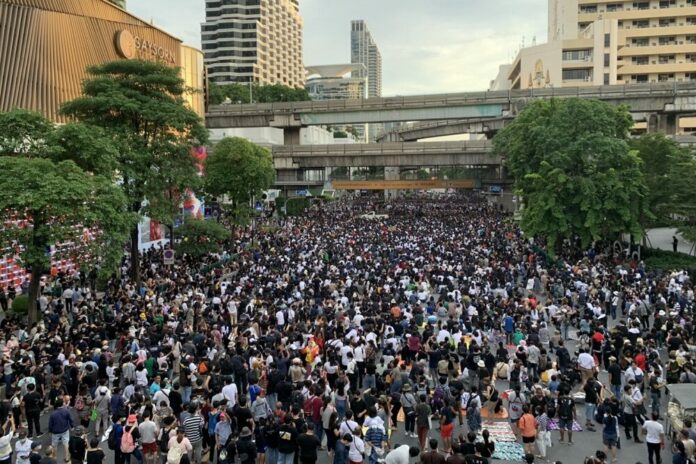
22,447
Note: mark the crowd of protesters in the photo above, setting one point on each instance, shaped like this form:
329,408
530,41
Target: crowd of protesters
330,330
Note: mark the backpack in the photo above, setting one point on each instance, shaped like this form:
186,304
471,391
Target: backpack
297,399
174,455
73,446
111,439
565,408
639,377
164,441
470,409
551,407
438,400
79,403
127,442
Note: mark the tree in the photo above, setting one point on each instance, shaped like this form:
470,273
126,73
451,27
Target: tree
200,237
240,170
244,93
141,105
45,202
574,170
670,198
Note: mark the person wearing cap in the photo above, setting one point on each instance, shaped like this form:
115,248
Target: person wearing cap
77,445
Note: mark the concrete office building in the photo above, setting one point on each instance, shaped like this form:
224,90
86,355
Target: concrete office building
253,41
364,50
596,42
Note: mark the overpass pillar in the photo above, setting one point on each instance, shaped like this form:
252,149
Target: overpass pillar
666,123
391,173
291,136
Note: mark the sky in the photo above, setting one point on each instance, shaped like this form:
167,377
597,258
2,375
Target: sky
427,46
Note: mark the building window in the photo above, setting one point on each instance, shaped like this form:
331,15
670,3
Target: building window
640,60
607,40
667,3
577,55
641,24
668,40
666,59
577,74
665,77
607,59
641,78
667,22
640,42
641,5
606,78
614,7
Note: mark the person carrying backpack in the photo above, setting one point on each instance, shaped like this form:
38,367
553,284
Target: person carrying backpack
515,402
566,416
129,440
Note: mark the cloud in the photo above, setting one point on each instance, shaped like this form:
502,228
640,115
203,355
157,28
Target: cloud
427,46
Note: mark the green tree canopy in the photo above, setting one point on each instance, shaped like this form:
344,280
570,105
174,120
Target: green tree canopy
200,237
574,170
141,106
243,93
238,169
670,198
44,202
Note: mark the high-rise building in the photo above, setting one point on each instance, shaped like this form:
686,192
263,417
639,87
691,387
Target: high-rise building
253,41
364,50
600,42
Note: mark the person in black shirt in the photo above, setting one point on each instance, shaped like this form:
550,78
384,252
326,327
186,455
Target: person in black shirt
32,409
615,376
476,458
242,414
468,447
246,449
94,454
308,444
35,455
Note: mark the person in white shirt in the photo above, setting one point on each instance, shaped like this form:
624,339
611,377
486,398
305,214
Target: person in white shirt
357,448
586,364
401,454
655,438
230,391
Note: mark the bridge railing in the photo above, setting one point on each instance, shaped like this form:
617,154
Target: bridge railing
439,100
391,148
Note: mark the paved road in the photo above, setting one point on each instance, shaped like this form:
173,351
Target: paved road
661,238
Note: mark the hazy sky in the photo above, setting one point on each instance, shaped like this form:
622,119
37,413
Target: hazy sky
428,46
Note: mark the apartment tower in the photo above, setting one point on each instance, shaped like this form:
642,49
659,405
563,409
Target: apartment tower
256,41
655,39
364,50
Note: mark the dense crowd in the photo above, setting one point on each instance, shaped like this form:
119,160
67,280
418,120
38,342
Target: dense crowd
328,330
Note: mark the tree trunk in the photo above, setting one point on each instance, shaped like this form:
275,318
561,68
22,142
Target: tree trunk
34,287
171,235
135,257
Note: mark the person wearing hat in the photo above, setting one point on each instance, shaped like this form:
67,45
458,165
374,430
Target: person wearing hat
246,449
409,403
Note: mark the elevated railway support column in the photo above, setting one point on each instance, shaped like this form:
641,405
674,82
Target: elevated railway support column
391,173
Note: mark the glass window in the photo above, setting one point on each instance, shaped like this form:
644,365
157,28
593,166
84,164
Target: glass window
607,40
607,59
577,74
606,78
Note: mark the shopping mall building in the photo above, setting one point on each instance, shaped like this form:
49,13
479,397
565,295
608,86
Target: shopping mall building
46,46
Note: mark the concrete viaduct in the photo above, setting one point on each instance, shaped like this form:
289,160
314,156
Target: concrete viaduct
661,104
464,153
